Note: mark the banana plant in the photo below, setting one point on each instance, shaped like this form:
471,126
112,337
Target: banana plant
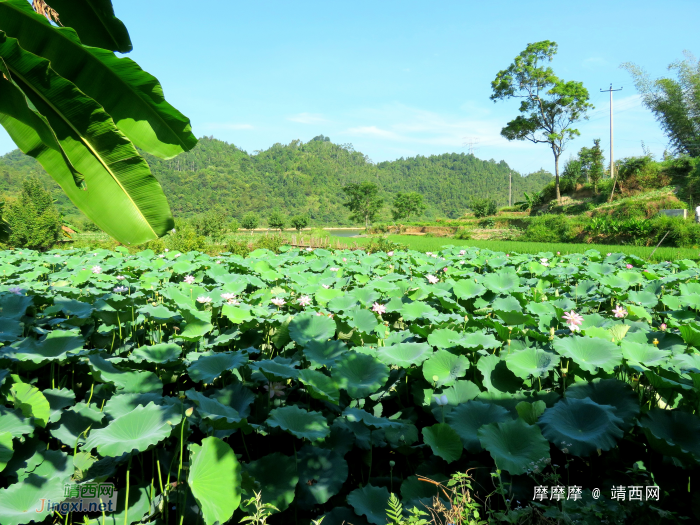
67,100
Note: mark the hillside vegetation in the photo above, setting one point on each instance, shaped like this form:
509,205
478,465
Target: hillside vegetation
302,178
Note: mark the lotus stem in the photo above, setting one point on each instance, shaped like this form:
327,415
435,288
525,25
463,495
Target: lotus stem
126,501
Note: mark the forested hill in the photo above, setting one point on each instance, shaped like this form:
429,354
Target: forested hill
304,178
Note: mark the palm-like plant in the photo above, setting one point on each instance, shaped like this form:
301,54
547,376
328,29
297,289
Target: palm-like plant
67,100
531,200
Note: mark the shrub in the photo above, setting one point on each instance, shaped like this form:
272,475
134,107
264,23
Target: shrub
250,221
238,248
32,218
299,222
233,226
270,242
184,238
483,207
383,244
463,233
550,228
276,220
212,224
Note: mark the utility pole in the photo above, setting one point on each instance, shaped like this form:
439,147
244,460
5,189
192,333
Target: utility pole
612,166
510,187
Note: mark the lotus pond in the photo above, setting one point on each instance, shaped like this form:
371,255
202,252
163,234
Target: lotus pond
326,381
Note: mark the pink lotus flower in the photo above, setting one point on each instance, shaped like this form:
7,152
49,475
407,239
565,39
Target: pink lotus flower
120,289
390,254
609,254
620,311
428,253
16,290
277,301
507,255
120,277
228,296
189,279
444,269
379,308
462,252
663,326
431,279
462,261
233,302
96,269
558,253
629,266
574,328
275,389
344,259
572,318
203,299
304,300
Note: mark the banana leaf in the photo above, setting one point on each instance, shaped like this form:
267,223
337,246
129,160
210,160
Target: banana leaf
122,197
133,98
95,22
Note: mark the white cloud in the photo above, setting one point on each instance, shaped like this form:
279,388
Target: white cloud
307,118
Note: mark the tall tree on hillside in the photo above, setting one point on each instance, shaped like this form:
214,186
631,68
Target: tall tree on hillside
595,164
549,106
33,220
674,103
364,201
407,204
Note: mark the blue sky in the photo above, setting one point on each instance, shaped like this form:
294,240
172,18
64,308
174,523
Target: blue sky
399,78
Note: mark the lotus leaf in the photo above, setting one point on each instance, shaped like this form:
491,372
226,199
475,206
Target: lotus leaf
209,367
301,423
320,386
469,417
443,441
371,502
277,477
446,366
322,473
531,362
405,354
590,353
324,353
307,327
672,432
497,375
6,450
160,353
31,402
514,445
360,374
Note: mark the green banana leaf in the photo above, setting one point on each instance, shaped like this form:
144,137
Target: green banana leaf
95,22
133,98
15,104
122,197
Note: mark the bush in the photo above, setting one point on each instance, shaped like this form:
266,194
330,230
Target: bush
383,244
463,233
250,221
233,226
212,224
238,248
184,238
32,218
299,222
550,228
483,207
276,220
86,225
270,242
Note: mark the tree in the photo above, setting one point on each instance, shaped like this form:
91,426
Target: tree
595,164
81,111
213,224
674,103
233,225
407,204
483,207
549,105
364,201
299,222
276,220
33,220
250,221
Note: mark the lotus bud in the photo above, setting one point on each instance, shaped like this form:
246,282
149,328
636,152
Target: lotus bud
655,342
189,411
556,292
435,379
392,464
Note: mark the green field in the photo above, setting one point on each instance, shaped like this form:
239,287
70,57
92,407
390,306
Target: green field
423,244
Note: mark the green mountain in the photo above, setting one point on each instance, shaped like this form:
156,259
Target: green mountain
303,178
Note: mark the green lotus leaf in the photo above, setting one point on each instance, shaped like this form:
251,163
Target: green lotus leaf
590,353
501,282
364,320
446,366
531,362
58,400
215,479
209,367
276,371
324,295
497,375
468,289
128,381
417,310
121,404
690,335
632,278
235,396
461,392
506,305
371,502
582,426
140,499
343,303
469,417
302,424
686,363
641,356
12,421
647,299
355,415
56,346
22,502
479,340
6,450
220,417
404,434
320,386
307,327
324,353
514,445
530,412
139,429
160,353
366,296
360,374
444,338
31,402
10,330
404,354
343,516
159,313
672,432
14,306
444,441
277,476
198,324
322,473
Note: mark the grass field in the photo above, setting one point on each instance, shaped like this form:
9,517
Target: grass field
434,243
